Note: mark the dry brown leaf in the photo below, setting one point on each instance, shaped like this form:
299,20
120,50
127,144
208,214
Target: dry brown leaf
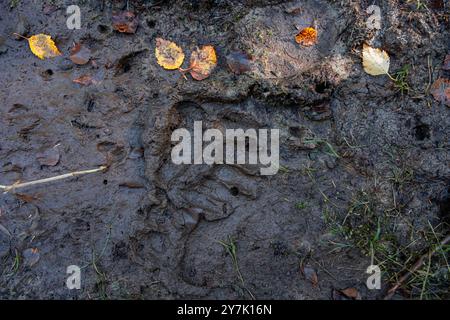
307,37
310,274
168,54
87,80
125,22
42,46
202,63
441,91
351,293
29,198
80,54
84,80
375,61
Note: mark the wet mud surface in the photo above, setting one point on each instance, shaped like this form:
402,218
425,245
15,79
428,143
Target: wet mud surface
360,160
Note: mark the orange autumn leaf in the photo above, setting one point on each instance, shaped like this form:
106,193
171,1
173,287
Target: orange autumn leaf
168,54
43,46
202,63
307,37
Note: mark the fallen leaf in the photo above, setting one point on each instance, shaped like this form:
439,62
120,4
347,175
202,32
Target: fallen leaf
87,80
441,91
202,63
239,62
84,80
49,157
375,61
80,54
351,293
30,257
307,37
27,197
125,22
168,54
43,46
310,275
446,65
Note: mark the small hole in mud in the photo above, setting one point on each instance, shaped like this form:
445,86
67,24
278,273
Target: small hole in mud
126,67
105,182
234,191
422,132
151,23
102,28
47,74
123,66
321,87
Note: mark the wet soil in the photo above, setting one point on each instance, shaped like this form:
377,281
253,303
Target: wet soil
148,229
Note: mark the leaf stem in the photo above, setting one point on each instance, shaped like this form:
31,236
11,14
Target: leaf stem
21,36
391,77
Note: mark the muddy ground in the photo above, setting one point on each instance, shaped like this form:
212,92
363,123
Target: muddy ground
365,174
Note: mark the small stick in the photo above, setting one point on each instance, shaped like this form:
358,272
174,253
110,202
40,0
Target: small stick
414,268
21,36
63,176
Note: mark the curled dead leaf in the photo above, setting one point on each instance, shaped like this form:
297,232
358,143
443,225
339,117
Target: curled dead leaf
125,22
307,37
441,91
351,293
80,54
168,54
202,63
87,80
84,80
375,61
310,274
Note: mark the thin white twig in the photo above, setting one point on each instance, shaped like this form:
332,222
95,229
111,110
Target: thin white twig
63,176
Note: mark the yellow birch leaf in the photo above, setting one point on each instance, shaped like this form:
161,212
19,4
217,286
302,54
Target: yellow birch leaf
375,61
168,54
43,46
203,61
